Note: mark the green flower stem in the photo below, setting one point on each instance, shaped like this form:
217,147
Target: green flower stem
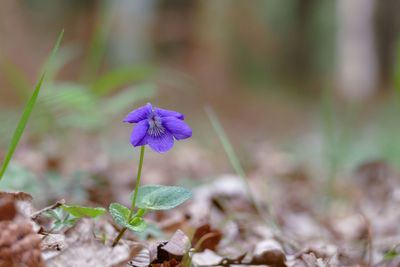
139,174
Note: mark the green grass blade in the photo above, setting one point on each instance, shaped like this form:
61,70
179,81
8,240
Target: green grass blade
21,127
26,114
234,160
54,51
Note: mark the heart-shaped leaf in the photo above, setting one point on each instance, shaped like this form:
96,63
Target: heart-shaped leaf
159,197
80,211
120,215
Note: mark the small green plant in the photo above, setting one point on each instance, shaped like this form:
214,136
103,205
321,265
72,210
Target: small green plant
66,216
61,219
157,128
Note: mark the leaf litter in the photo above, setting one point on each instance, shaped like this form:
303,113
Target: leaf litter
221,227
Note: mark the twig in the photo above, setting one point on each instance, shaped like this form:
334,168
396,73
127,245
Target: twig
59,203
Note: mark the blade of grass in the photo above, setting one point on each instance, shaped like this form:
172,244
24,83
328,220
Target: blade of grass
234,160
27,112
396,70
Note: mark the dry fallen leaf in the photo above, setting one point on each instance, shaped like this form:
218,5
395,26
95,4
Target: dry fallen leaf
269,253
141,259
19,243
209,239
81,248
178,245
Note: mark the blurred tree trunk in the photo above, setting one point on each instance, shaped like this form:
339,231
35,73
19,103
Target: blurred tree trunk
300,54
131,42
192,35
357,68
387,28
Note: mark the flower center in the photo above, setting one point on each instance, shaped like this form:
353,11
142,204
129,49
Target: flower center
155,125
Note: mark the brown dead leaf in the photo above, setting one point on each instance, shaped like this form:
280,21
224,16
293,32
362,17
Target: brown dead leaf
209,239
170,263
7,208
170,253
18,196
22,200
19,244
269,253
81,247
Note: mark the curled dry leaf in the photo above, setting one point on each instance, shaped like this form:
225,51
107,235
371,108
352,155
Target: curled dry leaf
141,259
206,238
22,200
170,252
7,209
178,245
81,247
269,253
19,244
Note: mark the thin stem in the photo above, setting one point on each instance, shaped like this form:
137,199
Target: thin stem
121,233
138,176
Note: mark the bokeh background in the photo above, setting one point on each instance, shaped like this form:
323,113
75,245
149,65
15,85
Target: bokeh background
309,83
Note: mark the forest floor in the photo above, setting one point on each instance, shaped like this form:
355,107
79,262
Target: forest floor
278,215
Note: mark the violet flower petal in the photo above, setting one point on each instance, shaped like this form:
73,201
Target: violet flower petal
169,113
161,143
142,142
139,114
177,127
139,133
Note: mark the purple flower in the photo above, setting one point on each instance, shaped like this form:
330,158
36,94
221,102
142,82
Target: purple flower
157,127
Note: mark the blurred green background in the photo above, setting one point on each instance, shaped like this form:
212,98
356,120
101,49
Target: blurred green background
316,78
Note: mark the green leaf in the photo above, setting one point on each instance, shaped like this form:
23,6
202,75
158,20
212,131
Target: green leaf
61,219
159,197
56,214
26,114
137,224
120,215
390,255
79,211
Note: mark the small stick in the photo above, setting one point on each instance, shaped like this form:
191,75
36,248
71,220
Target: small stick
36,214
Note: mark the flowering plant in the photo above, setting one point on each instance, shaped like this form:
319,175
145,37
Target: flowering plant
156,128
